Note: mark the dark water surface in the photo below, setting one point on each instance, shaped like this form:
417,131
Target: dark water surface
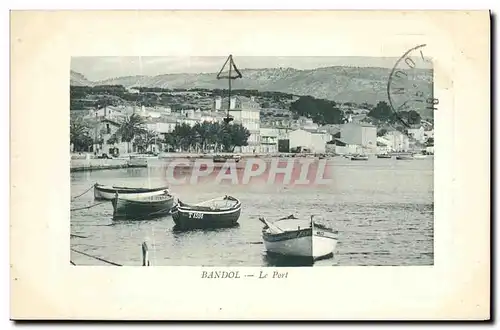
382,208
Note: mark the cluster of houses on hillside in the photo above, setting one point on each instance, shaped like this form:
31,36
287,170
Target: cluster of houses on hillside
300,135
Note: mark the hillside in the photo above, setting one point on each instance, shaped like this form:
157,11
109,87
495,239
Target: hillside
78,79
340,84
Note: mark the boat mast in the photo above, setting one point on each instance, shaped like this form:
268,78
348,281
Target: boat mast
229,89
229,61
96,127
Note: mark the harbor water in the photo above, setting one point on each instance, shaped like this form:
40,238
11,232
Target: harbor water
381,208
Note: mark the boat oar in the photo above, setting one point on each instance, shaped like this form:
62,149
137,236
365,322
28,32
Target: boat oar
272,226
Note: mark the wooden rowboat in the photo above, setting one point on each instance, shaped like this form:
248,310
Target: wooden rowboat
295,237
141,208
102,192
222,212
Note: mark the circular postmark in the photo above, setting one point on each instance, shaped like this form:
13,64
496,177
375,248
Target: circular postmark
410,87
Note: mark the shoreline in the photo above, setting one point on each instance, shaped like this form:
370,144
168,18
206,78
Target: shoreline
94,164
139,161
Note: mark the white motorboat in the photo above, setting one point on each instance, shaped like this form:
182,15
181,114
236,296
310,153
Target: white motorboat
295,237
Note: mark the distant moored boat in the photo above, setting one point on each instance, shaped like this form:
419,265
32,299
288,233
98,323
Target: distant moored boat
384,155
109,192
223,159
419,156
139,208
359,157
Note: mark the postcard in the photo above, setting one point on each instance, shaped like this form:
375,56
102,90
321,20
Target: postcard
178,165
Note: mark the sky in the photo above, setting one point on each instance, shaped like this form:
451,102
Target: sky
100,68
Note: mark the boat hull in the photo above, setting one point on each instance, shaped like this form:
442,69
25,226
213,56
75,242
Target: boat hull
323,246
109,193
191,219
301,243
126,209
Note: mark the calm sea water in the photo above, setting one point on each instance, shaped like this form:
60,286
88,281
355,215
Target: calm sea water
382,208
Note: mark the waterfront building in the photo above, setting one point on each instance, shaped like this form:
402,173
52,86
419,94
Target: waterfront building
269,137
418,134
364,135
245,111
397,141
312,140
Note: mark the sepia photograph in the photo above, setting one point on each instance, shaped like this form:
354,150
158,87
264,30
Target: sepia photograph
183,165
252,161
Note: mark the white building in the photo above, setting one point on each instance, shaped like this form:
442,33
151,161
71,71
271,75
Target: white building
189,121
364,135
311,140
162,127
109,112
218,103
342,148
417,133
245,111
397,141
133,90
384,144
307,123
269,139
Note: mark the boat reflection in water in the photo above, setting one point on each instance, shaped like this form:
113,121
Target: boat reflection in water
279,260
180,230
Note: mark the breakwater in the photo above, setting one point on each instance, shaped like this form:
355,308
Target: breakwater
80,165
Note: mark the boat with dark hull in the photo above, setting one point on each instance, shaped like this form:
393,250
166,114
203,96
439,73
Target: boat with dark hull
102,192
222,212
404,157
388,156
298,238
359,157
142,208
225,158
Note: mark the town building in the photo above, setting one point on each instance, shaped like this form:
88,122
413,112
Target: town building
310,140
341,147
102,135
397,141
110,112
269,137
162,126
244,111
418,134
306,123
364,135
